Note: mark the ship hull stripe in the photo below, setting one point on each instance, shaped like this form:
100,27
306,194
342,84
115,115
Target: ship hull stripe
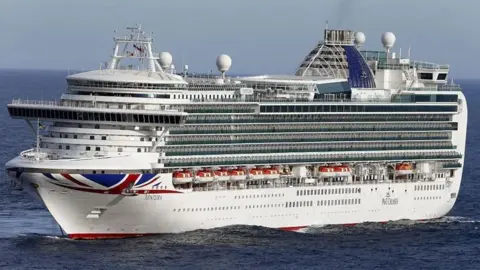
144,179
149,182
69,177
106,180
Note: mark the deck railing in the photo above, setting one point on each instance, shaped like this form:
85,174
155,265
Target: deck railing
91,105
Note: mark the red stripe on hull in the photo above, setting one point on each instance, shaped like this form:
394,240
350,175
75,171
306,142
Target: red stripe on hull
155,191
101,191
131,178
69,177
149,182
291,229
94,236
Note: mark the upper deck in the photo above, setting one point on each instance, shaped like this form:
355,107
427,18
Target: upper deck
339,55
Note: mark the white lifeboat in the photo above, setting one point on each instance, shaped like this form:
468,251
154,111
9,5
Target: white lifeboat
403,169
182,177
203,176
342,171
326,171
270,173
237,174
221,175
255,174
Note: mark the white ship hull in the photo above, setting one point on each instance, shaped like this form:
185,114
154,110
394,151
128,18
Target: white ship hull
104,165
84,214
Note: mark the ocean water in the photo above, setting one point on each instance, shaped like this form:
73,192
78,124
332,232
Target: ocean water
30,238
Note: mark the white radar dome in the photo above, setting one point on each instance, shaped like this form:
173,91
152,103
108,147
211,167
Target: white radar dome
388,40
224,62
359,38
165,60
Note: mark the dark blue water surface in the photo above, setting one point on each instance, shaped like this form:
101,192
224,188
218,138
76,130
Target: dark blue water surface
30,238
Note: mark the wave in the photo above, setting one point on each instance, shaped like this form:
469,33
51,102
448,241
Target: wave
237,232
391,225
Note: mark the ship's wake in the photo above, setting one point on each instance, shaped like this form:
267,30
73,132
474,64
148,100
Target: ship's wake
443,222
261,234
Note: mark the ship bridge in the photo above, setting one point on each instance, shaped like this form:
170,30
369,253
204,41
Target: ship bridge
95,113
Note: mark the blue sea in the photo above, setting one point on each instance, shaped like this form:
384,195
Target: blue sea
30,238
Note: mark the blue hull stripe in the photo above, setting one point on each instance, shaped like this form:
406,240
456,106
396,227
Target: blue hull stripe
50,176
144,178
106,180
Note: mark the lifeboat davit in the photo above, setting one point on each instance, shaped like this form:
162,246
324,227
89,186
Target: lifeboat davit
221,175
270,173
326,171
182,177
403,169
204,176
255,174
342,171
237,174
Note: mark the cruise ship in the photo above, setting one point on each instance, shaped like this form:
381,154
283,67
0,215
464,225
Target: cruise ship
136,148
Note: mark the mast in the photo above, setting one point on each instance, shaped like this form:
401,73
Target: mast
141,45
37,157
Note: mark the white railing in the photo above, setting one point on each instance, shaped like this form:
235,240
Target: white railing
91,105
300,182
446,87
33,154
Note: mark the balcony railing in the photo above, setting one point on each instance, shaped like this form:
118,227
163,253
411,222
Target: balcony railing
256,160
90,105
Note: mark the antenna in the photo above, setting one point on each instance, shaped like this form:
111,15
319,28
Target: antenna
37,148
409,50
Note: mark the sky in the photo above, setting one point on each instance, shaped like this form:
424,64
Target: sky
261,36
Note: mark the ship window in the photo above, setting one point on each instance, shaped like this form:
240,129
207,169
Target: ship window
59,146
442,76
104,138
75,136
426,76
67,147
97,148
92,137
120,149
87,148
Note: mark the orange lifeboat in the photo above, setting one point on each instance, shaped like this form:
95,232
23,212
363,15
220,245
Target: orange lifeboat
326,171
342,171
255,173
182,177
203,176
403,169
221,175
237,174
271,173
